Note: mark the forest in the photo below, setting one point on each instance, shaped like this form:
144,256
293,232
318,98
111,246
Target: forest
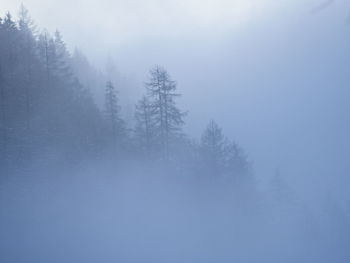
48,115
83,178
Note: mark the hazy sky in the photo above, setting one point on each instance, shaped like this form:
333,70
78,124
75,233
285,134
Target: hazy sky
275,74
124,21
114,23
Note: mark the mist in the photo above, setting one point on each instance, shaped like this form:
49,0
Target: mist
242,154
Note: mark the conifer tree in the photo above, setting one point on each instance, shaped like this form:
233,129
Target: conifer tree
167,116
219,155
112,111
145,130
27,53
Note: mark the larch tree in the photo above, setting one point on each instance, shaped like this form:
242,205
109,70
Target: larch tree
168,117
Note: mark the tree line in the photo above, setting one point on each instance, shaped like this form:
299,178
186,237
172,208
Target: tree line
47,115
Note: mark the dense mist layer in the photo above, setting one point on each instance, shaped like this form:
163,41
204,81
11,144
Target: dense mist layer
109,213
174,131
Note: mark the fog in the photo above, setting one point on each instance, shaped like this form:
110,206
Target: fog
275,77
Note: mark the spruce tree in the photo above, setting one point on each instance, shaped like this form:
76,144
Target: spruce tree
219,155
145,129
112,110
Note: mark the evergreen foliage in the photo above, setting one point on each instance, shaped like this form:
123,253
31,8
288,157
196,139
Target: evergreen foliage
48,114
